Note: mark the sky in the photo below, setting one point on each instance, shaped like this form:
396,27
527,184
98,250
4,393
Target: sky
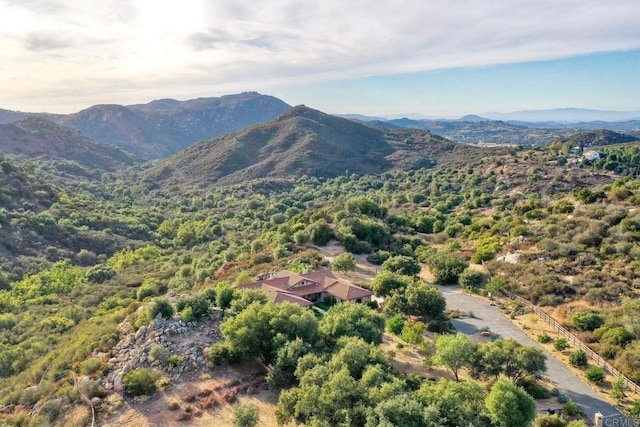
433,57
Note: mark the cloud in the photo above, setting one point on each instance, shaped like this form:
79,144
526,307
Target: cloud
150,48
44,42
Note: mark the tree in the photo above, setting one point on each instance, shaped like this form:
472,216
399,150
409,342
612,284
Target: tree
509,406
401,264
261,329
349,319
454,351
385,283
471,279
403,410
320,232
457,403
509,357
446,266
345,262
224,296
246,415
285,363
424,301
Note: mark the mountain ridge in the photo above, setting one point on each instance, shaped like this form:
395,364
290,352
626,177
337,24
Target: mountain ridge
302,141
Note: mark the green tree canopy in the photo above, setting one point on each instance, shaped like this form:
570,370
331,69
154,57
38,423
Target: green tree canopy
356,320
509,405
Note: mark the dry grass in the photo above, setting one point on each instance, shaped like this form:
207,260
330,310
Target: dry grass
533,328
198,401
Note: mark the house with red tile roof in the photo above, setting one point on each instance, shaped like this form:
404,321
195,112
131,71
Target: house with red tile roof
308,287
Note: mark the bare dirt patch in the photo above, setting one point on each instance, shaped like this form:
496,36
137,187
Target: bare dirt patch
202,400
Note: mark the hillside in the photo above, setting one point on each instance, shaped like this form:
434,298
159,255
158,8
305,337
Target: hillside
598,138
163,127
307,142
37,137
478,130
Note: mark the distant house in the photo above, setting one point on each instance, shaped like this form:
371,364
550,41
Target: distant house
591,155
306,288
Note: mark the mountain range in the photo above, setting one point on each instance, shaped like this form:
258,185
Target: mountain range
304,141
163,127
38,137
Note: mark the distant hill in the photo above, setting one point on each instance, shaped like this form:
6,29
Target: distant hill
37,137
472,118
598,138
163,127
304,141
564,115
477,130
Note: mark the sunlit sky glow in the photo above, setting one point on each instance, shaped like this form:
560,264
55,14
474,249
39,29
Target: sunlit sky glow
444,57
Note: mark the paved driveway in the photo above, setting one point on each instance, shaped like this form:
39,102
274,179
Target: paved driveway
486,315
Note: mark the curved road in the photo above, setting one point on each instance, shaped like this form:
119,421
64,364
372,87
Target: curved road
487,315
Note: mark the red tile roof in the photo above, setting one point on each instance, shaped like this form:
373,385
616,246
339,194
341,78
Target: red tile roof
286,286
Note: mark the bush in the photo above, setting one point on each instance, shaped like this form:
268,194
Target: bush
594,374
163,307
549,421
560,344
572,408
222,353
245,415
412,332
395,324
93,365
158,353
174,360
586,320
544,338
578,358
99,274
471,279
141,381
534,388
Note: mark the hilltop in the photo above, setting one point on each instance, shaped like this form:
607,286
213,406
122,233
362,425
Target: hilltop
598,138
308,142
36,137
164,127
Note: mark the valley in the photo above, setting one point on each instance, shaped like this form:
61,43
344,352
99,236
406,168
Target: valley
126,231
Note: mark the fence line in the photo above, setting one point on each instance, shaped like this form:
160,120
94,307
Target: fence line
574,340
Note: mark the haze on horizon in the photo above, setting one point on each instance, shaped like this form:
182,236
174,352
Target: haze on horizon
438,58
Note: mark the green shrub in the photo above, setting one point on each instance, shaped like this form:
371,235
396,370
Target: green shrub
395,324
560,344
222,353
586,320
471,279
594,374
544,338
545,420
246,415
578,358
534,388
161,306
141,381
93,365
412,332
571,408
174,360
158,352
